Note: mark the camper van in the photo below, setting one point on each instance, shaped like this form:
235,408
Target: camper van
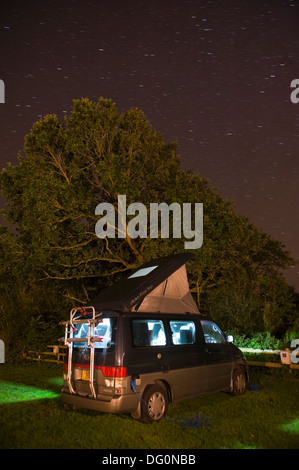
142,344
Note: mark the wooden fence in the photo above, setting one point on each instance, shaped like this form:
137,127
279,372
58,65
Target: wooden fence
269,363
54,354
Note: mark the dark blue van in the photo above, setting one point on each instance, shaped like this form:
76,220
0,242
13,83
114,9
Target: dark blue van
142,344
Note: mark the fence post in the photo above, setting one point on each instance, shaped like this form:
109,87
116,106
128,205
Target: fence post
2,352
2,92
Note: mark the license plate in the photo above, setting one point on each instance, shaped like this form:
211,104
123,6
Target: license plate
86,375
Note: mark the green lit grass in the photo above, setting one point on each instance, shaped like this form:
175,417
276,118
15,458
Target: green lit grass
12,393
292,426
265,418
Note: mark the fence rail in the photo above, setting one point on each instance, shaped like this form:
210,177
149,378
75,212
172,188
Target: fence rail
260,351
57,354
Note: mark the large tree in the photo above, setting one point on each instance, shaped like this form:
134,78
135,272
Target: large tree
51,258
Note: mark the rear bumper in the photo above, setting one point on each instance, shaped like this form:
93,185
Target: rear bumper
122,404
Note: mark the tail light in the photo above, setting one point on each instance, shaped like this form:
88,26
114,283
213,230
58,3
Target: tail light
114,377
119,372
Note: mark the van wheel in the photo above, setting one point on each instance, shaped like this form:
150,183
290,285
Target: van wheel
239,383
154,404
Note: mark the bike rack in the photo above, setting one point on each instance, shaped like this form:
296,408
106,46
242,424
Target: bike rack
69,340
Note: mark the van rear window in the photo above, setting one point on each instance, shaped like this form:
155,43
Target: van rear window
148,333
103,333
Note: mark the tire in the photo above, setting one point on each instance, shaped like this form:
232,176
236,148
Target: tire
239,383
154,404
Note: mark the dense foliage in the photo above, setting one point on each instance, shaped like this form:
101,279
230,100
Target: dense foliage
51,258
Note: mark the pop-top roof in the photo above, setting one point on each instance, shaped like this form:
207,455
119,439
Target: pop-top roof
160,285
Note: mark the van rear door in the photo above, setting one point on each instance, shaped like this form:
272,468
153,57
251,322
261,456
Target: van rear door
104,355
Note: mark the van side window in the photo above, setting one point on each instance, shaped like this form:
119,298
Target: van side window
212,332
183,332
148,333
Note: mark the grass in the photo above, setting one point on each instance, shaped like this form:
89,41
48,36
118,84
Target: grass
32,416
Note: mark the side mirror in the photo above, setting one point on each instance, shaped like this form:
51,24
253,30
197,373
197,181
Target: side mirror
230,338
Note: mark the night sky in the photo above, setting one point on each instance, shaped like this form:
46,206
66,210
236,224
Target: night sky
212,75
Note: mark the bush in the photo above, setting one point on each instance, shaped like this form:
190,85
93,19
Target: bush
258,341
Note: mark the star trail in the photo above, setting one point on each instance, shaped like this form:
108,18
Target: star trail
215,76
